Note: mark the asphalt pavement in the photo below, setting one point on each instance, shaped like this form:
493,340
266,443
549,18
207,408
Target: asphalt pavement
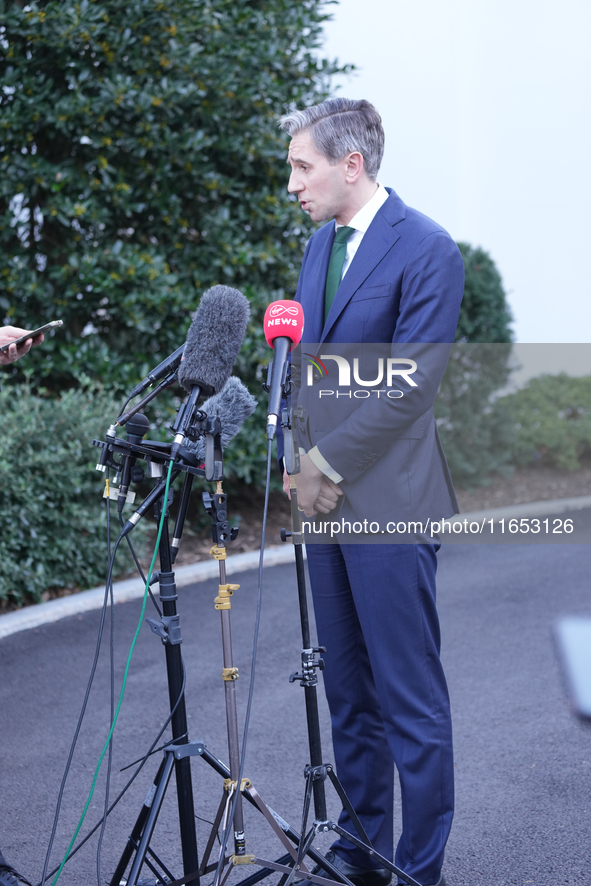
523,761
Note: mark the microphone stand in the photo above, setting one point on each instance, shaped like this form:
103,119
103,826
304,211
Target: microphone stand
178,754
216,507
316,772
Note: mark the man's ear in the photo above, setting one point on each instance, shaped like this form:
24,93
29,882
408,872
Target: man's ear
354,166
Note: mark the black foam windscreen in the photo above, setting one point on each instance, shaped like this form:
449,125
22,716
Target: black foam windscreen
214,339
138,425
233,405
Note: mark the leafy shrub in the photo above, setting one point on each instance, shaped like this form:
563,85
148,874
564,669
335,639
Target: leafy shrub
53,523
551,417
140,164
475,431
484,314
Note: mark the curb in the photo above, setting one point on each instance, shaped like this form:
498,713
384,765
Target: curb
133,588
528,509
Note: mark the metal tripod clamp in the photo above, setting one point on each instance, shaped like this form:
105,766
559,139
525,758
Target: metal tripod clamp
218,552
168,628
231,785
226,591
215,505
318,773
242,859
190,749
310,664
290,444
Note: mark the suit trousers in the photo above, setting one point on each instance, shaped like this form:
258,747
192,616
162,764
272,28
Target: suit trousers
376,615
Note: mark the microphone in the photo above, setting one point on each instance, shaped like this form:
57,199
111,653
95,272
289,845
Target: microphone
150,499
137,428
283,326
166,382
212,345
168,365
233,405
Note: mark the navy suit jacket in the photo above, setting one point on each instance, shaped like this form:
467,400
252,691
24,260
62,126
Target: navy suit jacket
404,287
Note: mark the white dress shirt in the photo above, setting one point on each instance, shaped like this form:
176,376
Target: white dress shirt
361,222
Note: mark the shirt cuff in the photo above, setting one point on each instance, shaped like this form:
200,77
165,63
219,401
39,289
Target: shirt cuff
321,463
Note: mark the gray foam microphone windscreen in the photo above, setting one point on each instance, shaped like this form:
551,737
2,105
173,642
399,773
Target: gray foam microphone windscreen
233,404
214,339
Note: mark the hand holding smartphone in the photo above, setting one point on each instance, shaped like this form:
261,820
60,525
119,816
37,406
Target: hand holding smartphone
13,345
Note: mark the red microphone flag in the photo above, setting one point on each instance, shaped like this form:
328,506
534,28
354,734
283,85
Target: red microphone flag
284,319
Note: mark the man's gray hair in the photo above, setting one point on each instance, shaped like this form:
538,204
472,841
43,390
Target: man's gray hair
340,126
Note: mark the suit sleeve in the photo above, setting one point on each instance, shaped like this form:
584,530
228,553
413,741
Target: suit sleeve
429,304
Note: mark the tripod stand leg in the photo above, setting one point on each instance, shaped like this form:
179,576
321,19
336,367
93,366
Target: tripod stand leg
175,672
347,805
280,829
150,822
138,827
212,835
178,755
372,853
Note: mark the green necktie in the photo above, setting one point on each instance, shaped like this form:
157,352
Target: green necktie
335,266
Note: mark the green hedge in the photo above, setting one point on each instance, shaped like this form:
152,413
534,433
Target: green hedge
476,432
139,147
53,521
551,421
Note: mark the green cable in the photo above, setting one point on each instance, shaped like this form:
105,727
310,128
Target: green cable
133,642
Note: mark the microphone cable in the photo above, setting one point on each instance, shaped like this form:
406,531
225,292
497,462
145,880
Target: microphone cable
253,668
121,694
141,761
112,700
112,669
139,568
86,695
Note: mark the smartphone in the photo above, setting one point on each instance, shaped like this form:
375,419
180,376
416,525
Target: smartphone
55,324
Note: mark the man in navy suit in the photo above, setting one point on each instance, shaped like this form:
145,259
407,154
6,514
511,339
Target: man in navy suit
377,272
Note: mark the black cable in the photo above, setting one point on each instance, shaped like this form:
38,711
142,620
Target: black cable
124,407
108,743
82,712
139,568
126,787
112,666
155,750
252,673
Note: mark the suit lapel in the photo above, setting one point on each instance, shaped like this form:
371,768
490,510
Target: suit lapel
378,240
312,298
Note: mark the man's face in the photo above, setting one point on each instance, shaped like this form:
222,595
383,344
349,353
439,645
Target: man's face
320,187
